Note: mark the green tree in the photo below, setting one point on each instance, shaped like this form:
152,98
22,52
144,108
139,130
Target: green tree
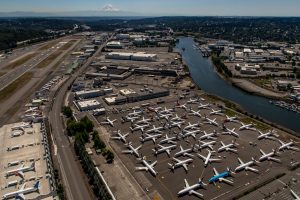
67,111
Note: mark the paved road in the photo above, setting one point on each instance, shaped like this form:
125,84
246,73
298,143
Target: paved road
75,185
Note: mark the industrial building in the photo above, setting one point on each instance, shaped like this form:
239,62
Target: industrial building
114,45
140,56
86,94
88,105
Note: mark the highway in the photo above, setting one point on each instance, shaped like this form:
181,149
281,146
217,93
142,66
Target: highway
75,182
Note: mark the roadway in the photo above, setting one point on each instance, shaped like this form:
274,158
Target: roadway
75,182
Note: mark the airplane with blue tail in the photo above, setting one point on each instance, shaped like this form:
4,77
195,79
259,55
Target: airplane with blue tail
221,177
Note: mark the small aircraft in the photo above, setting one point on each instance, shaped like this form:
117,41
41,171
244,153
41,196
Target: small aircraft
165,116
231,119
216,112
132,150
162,149
176,118
155,129
148,167
143,121
246,166
180,163
204,106
195,113
295,195
139,127
108,121
172,124
268,135
221,177
208,158
204,145
20,194
228,147
211,121
120,136
187,133
132,118
247,127
190,189
185,152
192,101
191,126
20,171
150,137
169,140
230,132
183,106
209,136
151,109
135,113
288,146
166,110
268,156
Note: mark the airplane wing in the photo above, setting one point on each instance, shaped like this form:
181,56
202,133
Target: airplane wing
127,151
226,180
142,168
201,156
185,167
196,193
177,160
168,151
240,161
152,164
214,159
251,169
20,173
138,147
215,171
186,183
20,196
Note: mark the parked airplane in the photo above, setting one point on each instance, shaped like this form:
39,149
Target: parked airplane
166,110
195,113
20,171
20,194
208,158
132,150
211,121
172,124
185,152
165,116
176,118
120,136
209,136
192,101
268,156
150,137
169,140
180,163
246,166
143,121
139,127
162,149
228,147
22,126
221,177
204,145
288,146
132,118
230,132
295,195
247,127
268,135
135,113
183,106
216,112
204,106
187,133
191,126
151,109
108,121
155,129
190,189
231,119
148,167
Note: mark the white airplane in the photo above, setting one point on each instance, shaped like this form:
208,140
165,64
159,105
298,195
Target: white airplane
195,113
172,124
150,137
166,111
208,158
211,121
247,127
135,113
108,121
148,167
187,133
31,109
120,136
165,116
143,121
176,118
268,156
190,189
183,106
156,110
295,195
192,101
221,177
20,194
230,132
216,112
185,152
20,171
288,146
246,166
139,127
155,129
169,140
21,126
132,118
209,136
204,106
132,150
228,147
180,163
268,135
162,149
191,126
231,119
204,145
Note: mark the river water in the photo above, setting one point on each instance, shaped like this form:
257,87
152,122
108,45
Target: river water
203,74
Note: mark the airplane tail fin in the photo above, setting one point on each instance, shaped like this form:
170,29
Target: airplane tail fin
37,185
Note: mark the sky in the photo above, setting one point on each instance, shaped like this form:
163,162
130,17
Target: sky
161,7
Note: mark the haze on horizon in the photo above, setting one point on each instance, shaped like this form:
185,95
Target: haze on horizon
157,7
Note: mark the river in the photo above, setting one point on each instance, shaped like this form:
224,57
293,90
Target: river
203,73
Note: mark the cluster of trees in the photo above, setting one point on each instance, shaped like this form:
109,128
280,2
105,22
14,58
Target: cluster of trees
221,67
100,145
